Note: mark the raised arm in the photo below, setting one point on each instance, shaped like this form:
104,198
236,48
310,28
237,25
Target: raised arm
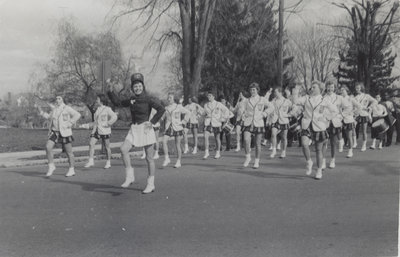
117,101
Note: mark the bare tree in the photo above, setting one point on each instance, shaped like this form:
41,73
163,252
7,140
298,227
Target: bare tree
315,52
189,32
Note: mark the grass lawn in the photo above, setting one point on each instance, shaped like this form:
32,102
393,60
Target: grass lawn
17,140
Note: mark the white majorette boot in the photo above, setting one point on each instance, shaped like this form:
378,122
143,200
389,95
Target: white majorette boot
130,177
166,161
332,163
71,172
247,161
380,146
273,153
309,167
156,156
178,164
150,185
217,155
364,146
341,144
278,146
108,164
318,175
186,149
90,163
256,163
283,154
373,144
51,169
350,154
323,166
206,154
194,150
237,147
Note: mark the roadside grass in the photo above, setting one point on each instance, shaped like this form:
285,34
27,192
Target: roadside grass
17,140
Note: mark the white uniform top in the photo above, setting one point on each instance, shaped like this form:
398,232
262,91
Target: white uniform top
255,112
365,100
62,118
195,111
378,110
173,114
281,110
216,113
104,117
335,117
315,112
348,108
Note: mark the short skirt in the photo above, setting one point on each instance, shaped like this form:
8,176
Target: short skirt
317,136
56,137
279,126
172,133
140,136
212,129
98,136
333,131
253,130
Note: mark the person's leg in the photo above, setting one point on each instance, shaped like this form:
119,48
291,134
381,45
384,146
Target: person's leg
228,141
274,135
364,134
217,136
50,157
318,149
305,145
71,159
185,140
389,135
149,149
157,144
178,140
129,173
92,143
258,150
195,139
355,135
238,136
165,148
284,134
333,140
247,142
108,151
397,126
349,133
340,139
206,144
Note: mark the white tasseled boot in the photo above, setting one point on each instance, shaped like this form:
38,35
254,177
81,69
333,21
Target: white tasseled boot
186,149
309,167
373,144
332,163
71,172
273,153
108,164
247,161
364,146
130,177
318,175
217,155
256,164
150,185
166,161
206,154
350,154
51,169
90,163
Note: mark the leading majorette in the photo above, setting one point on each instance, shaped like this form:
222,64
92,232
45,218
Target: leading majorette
141,133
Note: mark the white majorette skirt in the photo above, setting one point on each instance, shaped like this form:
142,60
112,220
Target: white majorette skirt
138,136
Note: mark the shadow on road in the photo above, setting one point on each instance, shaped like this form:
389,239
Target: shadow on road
85,186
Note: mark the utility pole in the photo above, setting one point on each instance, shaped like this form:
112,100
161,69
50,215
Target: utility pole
280,45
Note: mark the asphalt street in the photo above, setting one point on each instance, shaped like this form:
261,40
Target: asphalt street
206,208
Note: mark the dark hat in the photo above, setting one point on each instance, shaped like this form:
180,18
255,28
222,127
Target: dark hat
137,77
254,85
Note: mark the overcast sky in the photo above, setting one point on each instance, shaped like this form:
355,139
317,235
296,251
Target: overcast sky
27,31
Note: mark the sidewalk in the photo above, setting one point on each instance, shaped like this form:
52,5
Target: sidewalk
19,159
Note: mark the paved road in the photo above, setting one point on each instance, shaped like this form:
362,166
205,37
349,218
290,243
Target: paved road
206,208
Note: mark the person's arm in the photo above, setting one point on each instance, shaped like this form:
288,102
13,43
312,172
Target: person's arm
75,115
186,113
113,117
117,101
269,109
200,110
155,104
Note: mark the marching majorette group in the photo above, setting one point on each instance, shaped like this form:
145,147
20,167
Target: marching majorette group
315,115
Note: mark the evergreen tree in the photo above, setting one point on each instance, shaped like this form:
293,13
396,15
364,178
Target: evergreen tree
369,56
242,47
